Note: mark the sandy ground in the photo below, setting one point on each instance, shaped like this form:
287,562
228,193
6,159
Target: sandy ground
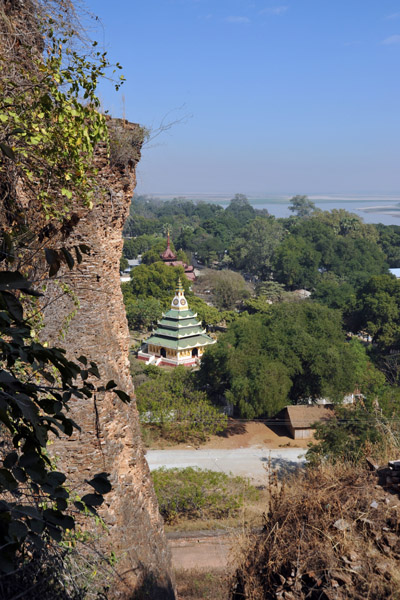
254,433
201,552
246,434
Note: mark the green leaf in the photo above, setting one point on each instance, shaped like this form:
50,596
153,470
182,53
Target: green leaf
7,481
56,517
78,255
36,525
84,248
6,565
7,151
53,259
17,130
55,533
56,478
67,193
27,407
62,504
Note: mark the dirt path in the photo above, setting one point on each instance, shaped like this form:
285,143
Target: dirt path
201,552
244,434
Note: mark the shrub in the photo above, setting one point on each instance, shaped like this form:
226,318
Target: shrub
171,404
193,493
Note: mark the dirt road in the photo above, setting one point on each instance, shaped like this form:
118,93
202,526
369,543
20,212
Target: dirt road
248,462
200,550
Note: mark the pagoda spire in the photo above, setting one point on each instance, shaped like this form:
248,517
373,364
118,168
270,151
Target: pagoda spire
179,301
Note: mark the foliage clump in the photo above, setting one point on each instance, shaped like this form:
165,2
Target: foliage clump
170,404
293,352
47,172
193,493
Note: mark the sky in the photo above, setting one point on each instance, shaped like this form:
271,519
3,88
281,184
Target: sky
263,97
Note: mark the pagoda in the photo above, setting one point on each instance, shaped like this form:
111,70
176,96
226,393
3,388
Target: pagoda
180,338
169,258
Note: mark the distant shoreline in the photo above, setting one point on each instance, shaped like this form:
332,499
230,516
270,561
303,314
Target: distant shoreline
372,208
285,198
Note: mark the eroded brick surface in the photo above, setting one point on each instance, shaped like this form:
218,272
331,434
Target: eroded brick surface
110,436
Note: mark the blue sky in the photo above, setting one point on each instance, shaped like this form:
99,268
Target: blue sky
296,97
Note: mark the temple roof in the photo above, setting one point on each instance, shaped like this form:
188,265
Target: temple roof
180,344
177,324
187,331
168,254
173,313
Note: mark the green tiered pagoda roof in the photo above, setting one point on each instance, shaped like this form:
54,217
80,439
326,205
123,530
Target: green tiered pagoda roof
179,328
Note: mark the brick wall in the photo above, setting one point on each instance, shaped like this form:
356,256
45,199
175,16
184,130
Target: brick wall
110,436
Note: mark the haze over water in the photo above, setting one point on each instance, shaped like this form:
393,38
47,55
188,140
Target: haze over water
379,208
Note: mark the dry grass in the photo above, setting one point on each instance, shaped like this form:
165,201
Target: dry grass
199,585
330,533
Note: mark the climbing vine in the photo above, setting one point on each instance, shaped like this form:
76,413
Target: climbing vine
50,124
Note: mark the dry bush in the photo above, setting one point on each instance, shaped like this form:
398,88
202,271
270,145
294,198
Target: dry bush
330,533
126,140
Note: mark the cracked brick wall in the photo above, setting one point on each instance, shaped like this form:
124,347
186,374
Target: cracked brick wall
110,438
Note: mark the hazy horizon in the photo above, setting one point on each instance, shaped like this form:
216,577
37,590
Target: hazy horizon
261,94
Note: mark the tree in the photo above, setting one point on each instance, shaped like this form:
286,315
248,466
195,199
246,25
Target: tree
302,206
240,208
123,264
254,250
228,287
171,403
142,313
379,312
270,290
296,263
389,242
349,437
157,280
293,352
346,224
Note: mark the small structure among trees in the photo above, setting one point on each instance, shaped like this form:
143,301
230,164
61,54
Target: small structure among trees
301,419
180,338
170,258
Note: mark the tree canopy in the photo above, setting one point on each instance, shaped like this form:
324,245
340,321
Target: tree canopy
293,352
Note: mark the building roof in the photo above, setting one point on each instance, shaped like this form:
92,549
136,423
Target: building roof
182,314
168,255
303,416
180,344
181,333
180,324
